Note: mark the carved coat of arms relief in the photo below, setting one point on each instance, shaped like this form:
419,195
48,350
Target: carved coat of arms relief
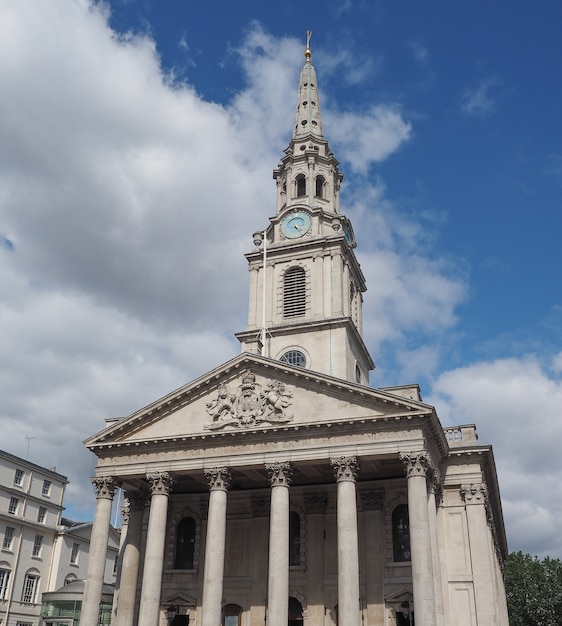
251,404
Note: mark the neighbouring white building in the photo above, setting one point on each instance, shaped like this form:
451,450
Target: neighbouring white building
40,550
280,488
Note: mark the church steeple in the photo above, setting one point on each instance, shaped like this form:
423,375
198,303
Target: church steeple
307,118
305,304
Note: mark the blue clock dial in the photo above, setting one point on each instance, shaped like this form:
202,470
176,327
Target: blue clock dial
296,224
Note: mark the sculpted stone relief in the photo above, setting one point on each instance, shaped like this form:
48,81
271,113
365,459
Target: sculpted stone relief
251,404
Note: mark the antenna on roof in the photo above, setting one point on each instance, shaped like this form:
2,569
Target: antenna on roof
28,442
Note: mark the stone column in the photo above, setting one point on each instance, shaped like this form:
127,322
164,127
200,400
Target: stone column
219,480
278,574
124,607
105,488
346,469
417,466
475,497
372,555
435,495
160,486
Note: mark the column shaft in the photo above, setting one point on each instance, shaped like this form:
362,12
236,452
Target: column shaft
213,578
476,500
437,580
93,587
348,546
278,572
130,558
160,484
420,539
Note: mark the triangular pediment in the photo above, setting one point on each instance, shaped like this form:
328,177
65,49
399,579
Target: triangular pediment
252,392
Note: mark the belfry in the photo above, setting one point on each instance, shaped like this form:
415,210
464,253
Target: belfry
280,488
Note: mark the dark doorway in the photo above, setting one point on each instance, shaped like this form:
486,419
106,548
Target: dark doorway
295,612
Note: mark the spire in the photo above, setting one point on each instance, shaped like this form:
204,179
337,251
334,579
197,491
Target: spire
307,119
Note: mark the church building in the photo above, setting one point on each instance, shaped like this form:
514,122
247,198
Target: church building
280,488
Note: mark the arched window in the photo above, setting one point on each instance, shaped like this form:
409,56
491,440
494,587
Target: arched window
294,538
232,615
29,592
295,612
185,543
400,534
5,571
301,185
294,292
70,578
294,357
320,180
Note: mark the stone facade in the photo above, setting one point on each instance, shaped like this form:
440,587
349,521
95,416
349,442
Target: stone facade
280,487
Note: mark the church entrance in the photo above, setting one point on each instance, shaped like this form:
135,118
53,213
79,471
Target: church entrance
295,612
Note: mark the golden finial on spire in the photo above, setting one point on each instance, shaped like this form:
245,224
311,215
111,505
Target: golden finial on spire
307,52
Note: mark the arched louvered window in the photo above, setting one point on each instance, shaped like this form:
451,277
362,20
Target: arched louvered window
301,185
294,538
185,544
294,292
401,534
320,180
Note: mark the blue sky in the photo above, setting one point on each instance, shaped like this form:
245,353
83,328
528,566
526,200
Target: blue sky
121,256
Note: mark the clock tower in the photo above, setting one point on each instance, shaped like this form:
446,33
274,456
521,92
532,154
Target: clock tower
306,286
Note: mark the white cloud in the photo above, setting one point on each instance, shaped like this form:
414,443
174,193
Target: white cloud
515,404
363,139
129,201
480,101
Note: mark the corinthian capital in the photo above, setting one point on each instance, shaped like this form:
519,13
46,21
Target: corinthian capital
104,487
416,463
345,468
160,483
475,493
219,478
280,474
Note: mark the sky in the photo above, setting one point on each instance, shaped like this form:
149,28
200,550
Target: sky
137,143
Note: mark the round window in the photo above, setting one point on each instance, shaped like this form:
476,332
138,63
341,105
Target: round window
294,357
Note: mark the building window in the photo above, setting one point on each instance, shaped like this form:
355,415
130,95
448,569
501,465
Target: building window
294,292
400,534
294,357
185,543
42,514
357,374
8,538
320,180
18,477
74,553
301,185
4,580
232,615
13,506
294,538
30,587
70,579
37,545
46,490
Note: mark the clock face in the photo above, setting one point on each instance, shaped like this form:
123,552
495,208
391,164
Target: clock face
296,224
